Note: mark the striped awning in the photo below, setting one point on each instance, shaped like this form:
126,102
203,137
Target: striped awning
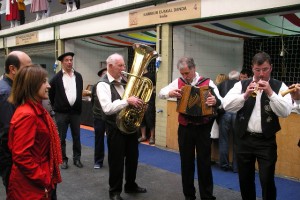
262,26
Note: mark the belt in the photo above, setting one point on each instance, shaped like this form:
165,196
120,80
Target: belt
254,134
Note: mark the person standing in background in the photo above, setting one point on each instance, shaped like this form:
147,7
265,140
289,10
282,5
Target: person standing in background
226,125
33,138
245,74
72,5
194,132
14,61
257,124
122,148
39,7
149,117
22,8
12,13
296,97
66,98
220,78
99,125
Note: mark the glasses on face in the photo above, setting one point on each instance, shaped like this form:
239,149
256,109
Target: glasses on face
266,69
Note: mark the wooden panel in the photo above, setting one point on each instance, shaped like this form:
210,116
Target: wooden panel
288,162
172,126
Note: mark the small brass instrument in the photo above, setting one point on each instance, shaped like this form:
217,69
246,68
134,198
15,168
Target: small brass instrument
129,119
291,89
254,93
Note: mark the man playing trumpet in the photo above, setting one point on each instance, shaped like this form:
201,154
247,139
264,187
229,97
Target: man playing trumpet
257,124
295,93
193,134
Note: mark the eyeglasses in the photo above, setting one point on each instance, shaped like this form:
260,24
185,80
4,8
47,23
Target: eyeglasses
121,65
263,69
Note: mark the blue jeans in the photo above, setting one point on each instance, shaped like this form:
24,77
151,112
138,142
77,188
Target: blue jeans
226,130
99,126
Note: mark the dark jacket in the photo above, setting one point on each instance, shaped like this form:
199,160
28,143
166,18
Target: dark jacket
59,98
6,109
225,86
97,109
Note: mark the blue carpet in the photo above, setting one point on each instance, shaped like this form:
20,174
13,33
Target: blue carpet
170,161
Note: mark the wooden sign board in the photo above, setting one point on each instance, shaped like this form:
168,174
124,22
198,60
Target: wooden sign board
27,38
165,13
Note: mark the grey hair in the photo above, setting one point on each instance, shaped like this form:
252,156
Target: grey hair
182,62
112,58
234,75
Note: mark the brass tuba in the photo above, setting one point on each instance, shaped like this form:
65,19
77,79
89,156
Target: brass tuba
130,118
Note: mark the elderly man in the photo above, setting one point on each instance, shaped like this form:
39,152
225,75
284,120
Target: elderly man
14,61
122,148
194,132
258,104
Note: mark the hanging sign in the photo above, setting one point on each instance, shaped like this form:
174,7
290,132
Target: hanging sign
164,13
27,38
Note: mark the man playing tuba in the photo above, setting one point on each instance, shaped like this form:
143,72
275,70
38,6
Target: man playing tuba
110,89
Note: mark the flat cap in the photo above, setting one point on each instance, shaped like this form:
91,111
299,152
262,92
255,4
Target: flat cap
61,57
101,70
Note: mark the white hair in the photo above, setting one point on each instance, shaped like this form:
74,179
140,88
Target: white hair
234,75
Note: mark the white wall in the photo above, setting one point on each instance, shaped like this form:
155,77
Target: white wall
88,57
212,54
224,7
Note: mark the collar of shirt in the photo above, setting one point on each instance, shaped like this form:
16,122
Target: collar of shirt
196,78
64,72
111,79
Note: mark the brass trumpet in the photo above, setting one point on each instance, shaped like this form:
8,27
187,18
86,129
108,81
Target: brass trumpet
254,93
291,89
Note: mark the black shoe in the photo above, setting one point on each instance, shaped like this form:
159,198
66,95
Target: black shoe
137,189
190,198
64,165
115,197
78,164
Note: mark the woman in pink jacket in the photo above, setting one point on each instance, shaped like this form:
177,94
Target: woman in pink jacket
33,138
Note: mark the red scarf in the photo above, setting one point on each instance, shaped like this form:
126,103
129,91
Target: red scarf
55,151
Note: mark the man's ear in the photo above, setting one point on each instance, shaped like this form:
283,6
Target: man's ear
12,69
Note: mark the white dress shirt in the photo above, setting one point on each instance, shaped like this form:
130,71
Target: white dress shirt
69,82
281,106
104,94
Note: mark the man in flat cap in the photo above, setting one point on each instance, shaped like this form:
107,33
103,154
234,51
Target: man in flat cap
66,98
99,124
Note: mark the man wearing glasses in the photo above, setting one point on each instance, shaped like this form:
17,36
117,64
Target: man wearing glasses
257,124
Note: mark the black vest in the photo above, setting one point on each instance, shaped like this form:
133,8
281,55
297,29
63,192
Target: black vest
111,119
269,120
97,109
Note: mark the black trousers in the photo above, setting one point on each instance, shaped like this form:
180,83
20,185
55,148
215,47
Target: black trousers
189,138
63,120
263,150
5,162
122,149
22,16
99,126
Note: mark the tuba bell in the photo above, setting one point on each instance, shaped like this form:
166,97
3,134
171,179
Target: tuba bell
129,119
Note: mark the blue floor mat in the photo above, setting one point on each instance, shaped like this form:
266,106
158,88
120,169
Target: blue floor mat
286,189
